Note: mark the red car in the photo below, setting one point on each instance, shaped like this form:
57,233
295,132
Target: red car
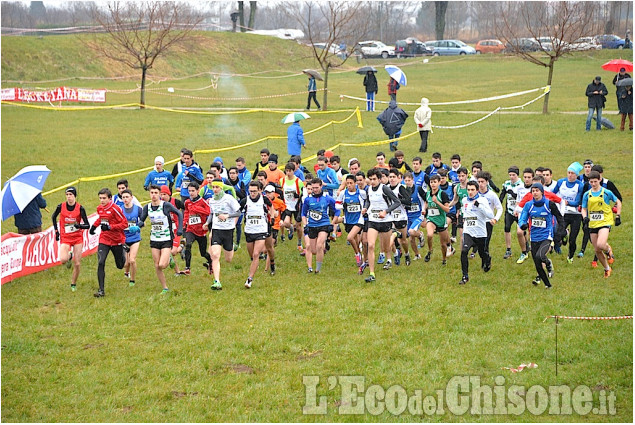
489,46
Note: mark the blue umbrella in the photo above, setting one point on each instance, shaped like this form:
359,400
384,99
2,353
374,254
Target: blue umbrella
22,188
397,74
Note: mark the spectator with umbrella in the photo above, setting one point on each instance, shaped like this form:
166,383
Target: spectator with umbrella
392,120
596,92
622,75
370,82
625,101
397,79
312,88
21,196
295,134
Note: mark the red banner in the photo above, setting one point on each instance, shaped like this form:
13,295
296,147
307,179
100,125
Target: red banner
59,94
21,255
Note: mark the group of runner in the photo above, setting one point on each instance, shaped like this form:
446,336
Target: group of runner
399,206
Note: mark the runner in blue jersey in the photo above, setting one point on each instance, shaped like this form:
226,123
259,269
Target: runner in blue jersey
159,176
571,190
418,175
413,211
132,213
540,213
121,186
351,201
190,172
315,216
362,184
451,217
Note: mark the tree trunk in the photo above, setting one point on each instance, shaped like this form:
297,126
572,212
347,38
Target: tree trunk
326,85
610,23
144,69
545,105
252,15
241,15
439,18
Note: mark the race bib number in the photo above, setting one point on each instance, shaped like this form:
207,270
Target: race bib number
511,203
538,222
396,214
315,215
571,209
353,208
194,219
414,208
254,220
433,212
469,221
375,214
132,223
222,220
157,226
289,196
70,228
596,215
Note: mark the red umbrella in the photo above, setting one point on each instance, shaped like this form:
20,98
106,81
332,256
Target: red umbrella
616,64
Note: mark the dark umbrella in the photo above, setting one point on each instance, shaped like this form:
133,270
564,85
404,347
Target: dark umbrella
625,82
364,69
606,123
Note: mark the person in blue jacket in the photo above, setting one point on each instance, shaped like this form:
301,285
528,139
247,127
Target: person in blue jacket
30,219
159,176
312,88
190,172
295,139
541,212
327,175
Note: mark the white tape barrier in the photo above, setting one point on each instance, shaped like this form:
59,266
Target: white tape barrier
546,89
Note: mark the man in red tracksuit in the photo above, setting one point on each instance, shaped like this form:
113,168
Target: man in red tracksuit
112,223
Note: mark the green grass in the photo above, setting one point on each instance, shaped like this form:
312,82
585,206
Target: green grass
237,355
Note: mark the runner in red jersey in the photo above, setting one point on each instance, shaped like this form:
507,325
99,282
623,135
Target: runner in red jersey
73,220
196,212
112,223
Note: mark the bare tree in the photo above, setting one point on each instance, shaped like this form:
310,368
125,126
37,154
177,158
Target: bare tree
439,18
330,23
241,15
252,14
139,33
561,22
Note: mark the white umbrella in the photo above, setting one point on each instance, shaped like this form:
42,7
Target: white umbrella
295,116
22,188
396,73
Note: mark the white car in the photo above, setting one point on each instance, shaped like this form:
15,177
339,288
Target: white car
334,49
548,43
585,43
375,48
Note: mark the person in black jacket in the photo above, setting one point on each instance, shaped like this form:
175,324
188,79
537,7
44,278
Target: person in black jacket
370,82
596,92
620,76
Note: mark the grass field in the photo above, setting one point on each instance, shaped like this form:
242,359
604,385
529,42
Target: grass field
238,355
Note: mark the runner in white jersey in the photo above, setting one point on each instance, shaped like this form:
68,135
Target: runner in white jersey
520,189
292,187
399,237
161,232
255,208
483,178
381,201
224,214
476,215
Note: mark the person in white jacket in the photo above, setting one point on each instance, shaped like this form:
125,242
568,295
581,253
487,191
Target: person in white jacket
423,116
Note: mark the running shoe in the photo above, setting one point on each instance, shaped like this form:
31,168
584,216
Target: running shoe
131,283
407,259
387,265
609,255
472,255
421,242
358,259
186,272
248,283
487,267
450,251
164,291
416,257
273,269
69,263
382,258
370,278
216,286
464,280
236,246
290,234
182,254
282,238
570,260
126,274
452,239
444,262
310,270
397,257
362,267
580,254
557,250
73,287
508,254
550,272
300,249
172,263
327,246
303,252
565,238
607,273
428,256
99,294
263,256
547,285
594,264
522,258
536,281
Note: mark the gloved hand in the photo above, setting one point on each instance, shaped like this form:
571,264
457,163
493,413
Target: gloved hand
618,220
134,229
83,226
585,222
524,226
105,227
92,230
420,125
57,235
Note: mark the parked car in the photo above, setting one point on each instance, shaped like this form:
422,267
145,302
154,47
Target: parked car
584,43
374,48
522,44
609,41
411,47
547,43
450,47
335,50
489,46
